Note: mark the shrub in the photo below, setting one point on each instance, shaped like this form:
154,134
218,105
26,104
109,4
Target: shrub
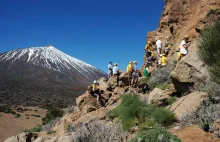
132,112
159,77
163,116
155,135
211,11
35,129
52,114
169,100
163,86
98,131
209,50
145,79
127,111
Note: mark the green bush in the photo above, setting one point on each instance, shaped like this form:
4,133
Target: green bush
169,100
163,86
52,114
155,135
209,50
132,112
163,116
35,129
211,11
127,111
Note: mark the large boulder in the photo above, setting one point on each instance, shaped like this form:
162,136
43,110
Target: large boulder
112,81
124,78
103,84
157,96
188,104
189,72
86,99
119,90
99,114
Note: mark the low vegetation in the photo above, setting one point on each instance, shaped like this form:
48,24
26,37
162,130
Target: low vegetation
132,113
52,114
160,77
213,12
35,129
155,135
209,49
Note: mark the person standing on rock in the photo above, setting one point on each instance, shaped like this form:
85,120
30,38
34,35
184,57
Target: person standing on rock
129,71
148,50
116,72
184,46
159,46
110,72
135,74
166,44
152,60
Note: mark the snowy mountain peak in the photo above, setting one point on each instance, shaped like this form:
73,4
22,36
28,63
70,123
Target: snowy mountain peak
51,58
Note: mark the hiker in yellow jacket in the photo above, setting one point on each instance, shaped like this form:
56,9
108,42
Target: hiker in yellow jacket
129,71
96,92
163,60
148,50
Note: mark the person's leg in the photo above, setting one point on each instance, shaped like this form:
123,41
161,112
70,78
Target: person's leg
118,78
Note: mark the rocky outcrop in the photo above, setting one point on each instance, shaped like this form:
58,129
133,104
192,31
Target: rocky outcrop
188,104
180,18
157,96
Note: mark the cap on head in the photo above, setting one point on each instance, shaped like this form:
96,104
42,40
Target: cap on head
110,62
135,62
130,62
179,46
186,37
164,54
94,81
152,54
115,64
148,41
166,37
169,46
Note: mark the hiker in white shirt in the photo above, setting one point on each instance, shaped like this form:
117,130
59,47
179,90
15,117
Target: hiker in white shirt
110,72
184,46
159,46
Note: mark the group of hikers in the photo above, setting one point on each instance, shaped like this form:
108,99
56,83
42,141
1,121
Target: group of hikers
159,58
155,59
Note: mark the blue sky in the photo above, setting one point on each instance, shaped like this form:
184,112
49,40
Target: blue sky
95,31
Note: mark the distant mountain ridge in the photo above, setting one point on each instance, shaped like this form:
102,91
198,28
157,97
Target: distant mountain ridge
42,72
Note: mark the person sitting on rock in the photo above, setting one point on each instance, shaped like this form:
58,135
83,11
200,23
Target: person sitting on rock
129,71
146,71
184,46
163,60
110,72
116,72
96,92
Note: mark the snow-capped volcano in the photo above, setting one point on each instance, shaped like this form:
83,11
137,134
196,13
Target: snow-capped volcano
46,71
51,58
